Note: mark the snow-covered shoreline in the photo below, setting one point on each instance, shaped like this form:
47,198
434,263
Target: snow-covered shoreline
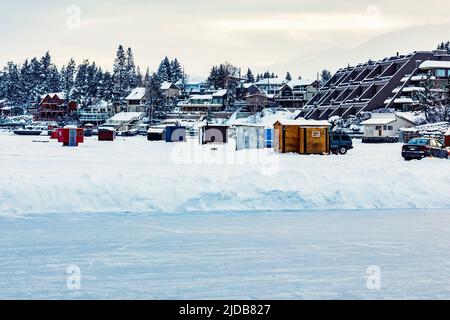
134,175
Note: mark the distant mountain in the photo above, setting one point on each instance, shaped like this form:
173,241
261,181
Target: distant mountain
404,41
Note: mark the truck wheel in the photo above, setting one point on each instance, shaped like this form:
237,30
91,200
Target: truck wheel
343,150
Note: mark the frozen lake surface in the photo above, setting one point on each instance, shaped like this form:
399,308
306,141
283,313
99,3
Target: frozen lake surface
294,255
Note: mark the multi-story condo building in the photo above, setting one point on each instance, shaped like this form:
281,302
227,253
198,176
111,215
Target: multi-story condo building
97,113
296,93
372,85
203,103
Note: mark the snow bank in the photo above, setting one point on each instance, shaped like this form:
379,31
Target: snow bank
134,175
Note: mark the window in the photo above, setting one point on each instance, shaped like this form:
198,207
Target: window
433,143
439,144
378,127
441,73
385,128
390,128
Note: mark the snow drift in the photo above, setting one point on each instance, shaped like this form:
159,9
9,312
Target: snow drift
134,175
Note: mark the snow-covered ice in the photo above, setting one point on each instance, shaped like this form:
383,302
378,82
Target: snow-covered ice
150,220
290,255
133,175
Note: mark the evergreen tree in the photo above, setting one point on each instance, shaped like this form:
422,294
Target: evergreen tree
288,77
131,78
430,101
164,70
68,73
139,78
250,78
26,86
176,71
156,107
325,76
120,83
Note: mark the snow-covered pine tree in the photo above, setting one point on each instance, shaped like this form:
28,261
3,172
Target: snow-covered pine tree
325,76
176,72
147,77
68,73
430,100
250,78
53,79
106,87
131,78
11,83
80,88
156,108
164,71
36,80
288,76
139,78
119,78
26,86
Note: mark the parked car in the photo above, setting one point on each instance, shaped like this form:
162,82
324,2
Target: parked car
340,143
420,148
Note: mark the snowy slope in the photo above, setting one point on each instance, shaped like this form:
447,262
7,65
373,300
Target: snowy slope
134,175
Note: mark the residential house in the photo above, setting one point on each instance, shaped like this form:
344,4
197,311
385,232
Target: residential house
136,100
170,90
271,86
296,93
55,107
258,101
125,122
97,113
203,103
384,127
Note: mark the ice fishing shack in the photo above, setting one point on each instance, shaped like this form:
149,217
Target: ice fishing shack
302,136
214,134
250,136
70,136
106,134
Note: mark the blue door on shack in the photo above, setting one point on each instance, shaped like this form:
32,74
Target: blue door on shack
268,137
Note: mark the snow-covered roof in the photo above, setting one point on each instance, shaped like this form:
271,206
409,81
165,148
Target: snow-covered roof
107,129
201,97
429,65
127,116
378,121
159,130
401,101
220,93
60,95
70,127
409,89
271,81
6,108
448,132
166,85
304,123
136,94
410,116
300,82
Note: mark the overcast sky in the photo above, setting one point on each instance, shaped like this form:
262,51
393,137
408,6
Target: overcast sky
261,34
